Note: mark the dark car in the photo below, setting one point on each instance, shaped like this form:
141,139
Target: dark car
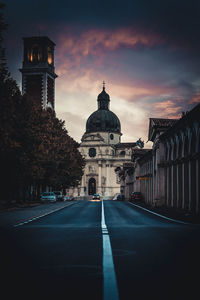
136,196
120,197
96,197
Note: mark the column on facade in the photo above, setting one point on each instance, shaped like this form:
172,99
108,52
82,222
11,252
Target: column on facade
75,192
172,185
160,174
100,175
82,191
172,173
167,185
44,90
107,191
177,185
147,187
189,183
147,174
153,178
182,171
179,195
197,186
183,185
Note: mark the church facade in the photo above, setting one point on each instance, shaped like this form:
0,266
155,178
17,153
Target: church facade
103,152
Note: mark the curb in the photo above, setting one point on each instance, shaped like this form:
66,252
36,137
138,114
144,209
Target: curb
31,219
161,216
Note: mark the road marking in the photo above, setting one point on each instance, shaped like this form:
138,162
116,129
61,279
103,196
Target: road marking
110,290
31,219
161,216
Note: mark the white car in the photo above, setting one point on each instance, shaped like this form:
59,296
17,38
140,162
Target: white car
48,196
67,198
115,196
59,195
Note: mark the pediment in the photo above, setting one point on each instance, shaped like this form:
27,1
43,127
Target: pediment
92,137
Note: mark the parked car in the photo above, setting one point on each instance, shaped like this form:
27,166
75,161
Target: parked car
135,196
115,196
96,197
67,198
48,196
120,197
59,195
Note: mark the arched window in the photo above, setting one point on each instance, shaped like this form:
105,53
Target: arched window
174,150
166,151
193,143
186,146
169,152
92,152
180,147
35,53
49,56
122,153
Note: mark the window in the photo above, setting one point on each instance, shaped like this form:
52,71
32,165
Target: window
122,153
50,56
92,152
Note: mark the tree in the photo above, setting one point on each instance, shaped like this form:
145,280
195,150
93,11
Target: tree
35,148
9,146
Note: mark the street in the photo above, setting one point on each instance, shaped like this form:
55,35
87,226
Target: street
65,253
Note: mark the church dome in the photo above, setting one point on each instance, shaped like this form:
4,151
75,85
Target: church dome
103,120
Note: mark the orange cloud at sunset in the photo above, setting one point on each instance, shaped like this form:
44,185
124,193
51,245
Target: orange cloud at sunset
168,108
195,99
89,42
96,41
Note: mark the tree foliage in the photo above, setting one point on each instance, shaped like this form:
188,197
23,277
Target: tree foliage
35,148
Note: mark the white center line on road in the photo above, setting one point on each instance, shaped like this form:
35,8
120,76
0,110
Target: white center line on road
110,290
31,219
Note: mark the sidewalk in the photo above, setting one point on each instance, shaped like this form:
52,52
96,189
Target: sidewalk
173,213
18,205
25,214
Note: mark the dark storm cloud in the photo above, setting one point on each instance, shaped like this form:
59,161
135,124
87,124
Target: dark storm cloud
174,18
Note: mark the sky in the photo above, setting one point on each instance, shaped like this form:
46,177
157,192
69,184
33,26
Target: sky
147,52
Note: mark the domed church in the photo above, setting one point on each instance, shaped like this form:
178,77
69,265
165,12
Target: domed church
103,151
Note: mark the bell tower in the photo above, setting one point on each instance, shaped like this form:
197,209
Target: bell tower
38,71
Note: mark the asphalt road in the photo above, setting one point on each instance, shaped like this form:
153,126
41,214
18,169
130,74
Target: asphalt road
60,254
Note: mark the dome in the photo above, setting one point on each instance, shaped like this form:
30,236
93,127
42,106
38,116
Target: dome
103,120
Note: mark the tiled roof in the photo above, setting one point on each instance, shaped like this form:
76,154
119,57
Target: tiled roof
159,123
188,118
163,122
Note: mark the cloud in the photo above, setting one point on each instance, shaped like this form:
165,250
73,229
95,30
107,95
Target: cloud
168,108
195,98
75,123
141,83
77,49
146,51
